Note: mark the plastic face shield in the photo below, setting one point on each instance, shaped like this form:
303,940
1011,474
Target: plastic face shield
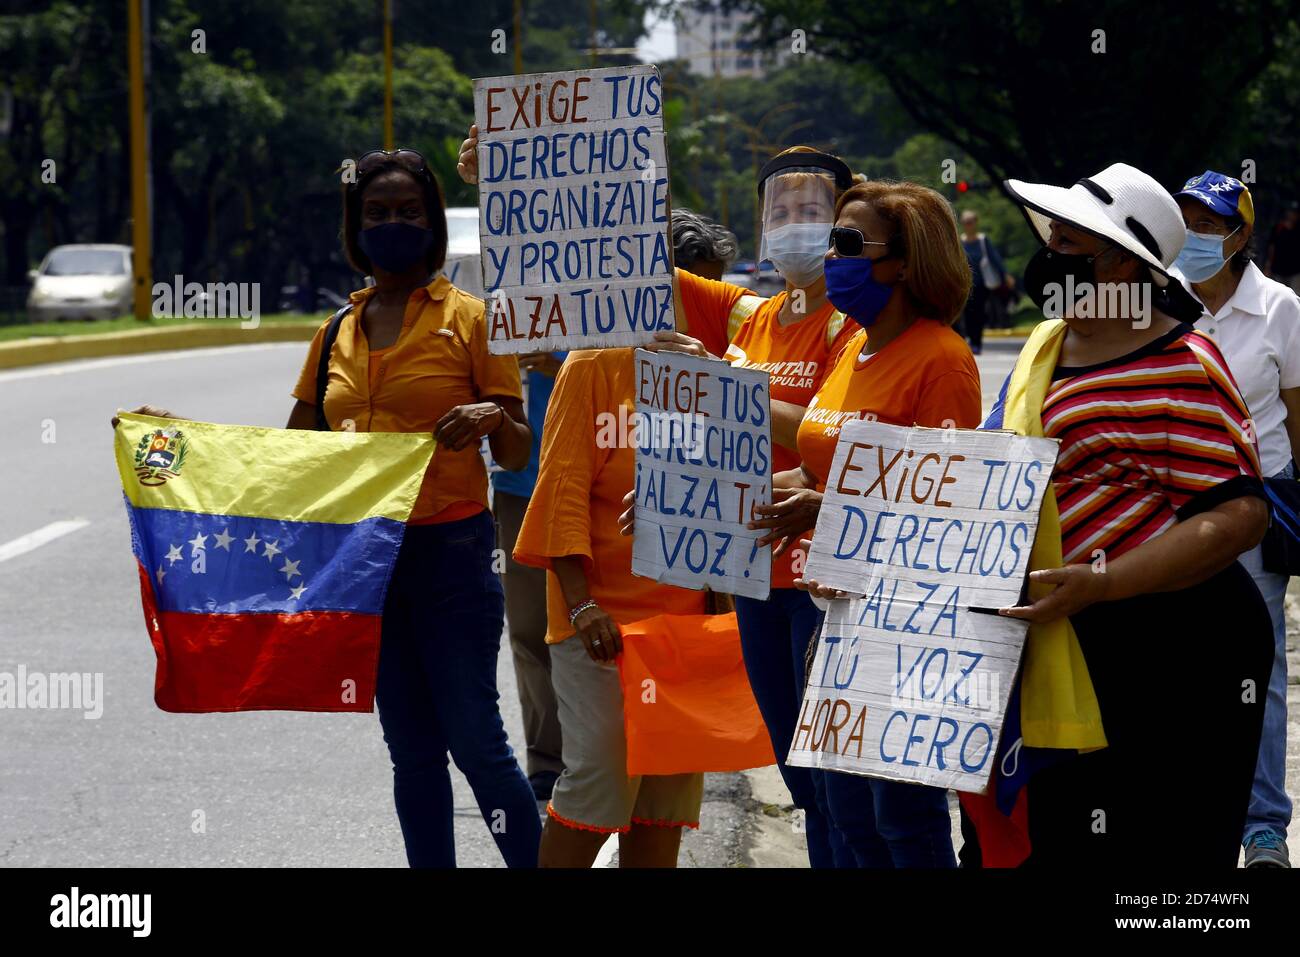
800,196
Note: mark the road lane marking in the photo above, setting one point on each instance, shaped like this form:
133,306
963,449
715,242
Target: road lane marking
42,536
86,365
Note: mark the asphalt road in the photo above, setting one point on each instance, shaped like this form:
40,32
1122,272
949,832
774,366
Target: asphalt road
130,788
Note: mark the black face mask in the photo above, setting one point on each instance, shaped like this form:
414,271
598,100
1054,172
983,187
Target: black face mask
1048,268
395,247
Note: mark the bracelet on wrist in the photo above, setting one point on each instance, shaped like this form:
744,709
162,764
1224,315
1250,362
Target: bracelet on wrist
579,608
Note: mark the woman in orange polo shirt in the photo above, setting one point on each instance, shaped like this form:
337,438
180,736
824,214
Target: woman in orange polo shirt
896,268
411,356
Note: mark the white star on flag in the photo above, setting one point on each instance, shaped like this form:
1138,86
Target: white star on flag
271,550
296,593
224,539
199,542
160,573
174,554
251,543
290,569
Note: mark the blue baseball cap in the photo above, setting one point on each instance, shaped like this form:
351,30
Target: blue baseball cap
1222,194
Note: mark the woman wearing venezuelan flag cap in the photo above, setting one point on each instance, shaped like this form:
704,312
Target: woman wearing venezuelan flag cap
1256,322
1149,646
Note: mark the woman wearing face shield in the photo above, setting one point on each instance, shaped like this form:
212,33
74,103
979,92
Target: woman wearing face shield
1149,647
1256,322
793,336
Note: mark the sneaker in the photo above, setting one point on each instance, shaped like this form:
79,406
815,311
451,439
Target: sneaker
1266,849
543,783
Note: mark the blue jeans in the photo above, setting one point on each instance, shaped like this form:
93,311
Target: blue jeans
1270,808
774,636
437,694
891,824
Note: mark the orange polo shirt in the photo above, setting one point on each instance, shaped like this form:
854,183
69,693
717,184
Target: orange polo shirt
581,482
797,358
927,376
439,361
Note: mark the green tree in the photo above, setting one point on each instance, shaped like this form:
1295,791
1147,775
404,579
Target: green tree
1051,91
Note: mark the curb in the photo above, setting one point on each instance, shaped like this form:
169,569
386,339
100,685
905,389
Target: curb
42,349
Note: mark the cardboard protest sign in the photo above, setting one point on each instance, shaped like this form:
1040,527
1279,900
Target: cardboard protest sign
573,209
933,528
703,435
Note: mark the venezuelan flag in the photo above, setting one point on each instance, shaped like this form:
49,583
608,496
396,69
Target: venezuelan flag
264,558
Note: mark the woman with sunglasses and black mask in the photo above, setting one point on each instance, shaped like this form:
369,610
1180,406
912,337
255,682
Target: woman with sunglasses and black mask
411,356
895,267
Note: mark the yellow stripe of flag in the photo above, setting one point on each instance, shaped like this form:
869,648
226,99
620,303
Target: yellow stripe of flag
289,474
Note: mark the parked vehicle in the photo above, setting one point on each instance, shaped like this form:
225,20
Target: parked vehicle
81,282
462,266
324,299
762,277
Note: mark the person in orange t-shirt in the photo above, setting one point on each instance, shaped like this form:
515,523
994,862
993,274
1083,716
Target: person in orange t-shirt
896,268
793,337
571,529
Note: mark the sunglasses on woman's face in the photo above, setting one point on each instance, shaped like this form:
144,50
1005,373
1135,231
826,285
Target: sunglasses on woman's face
850,242
408,159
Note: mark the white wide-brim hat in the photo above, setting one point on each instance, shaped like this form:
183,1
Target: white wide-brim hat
1121,205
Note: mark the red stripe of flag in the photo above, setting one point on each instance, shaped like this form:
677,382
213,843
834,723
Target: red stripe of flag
260,662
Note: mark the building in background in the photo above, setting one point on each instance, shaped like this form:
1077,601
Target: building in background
712,41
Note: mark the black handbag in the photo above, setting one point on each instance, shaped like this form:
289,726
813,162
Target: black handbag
1281,545
323,366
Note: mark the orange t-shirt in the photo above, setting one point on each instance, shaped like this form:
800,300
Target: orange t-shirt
927,376
796,357
708,304
439,361
587,466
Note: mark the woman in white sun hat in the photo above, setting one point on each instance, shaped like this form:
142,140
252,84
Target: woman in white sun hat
1149,647
1256,322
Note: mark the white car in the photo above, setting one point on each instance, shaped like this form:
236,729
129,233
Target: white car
81,282
462,266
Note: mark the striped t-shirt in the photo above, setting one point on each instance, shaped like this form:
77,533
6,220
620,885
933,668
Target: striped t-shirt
1146,439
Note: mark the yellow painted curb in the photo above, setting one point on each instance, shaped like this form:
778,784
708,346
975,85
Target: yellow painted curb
42,349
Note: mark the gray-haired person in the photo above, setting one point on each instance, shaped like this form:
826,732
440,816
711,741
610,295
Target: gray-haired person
702,246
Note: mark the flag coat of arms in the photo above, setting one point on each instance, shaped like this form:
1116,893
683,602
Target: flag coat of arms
264,558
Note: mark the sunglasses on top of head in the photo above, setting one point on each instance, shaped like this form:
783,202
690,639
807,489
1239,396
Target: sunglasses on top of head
850,242
411,160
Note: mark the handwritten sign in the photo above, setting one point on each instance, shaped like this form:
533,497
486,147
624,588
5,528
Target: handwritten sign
933,529
703,435
573,209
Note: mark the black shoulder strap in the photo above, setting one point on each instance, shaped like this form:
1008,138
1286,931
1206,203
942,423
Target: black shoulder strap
323,367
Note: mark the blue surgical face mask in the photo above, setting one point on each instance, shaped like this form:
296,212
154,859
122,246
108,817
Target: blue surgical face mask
798,250
854,291
395,247
1202,256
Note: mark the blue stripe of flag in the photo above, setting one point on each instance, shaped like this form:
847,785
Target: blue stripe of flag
228,564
